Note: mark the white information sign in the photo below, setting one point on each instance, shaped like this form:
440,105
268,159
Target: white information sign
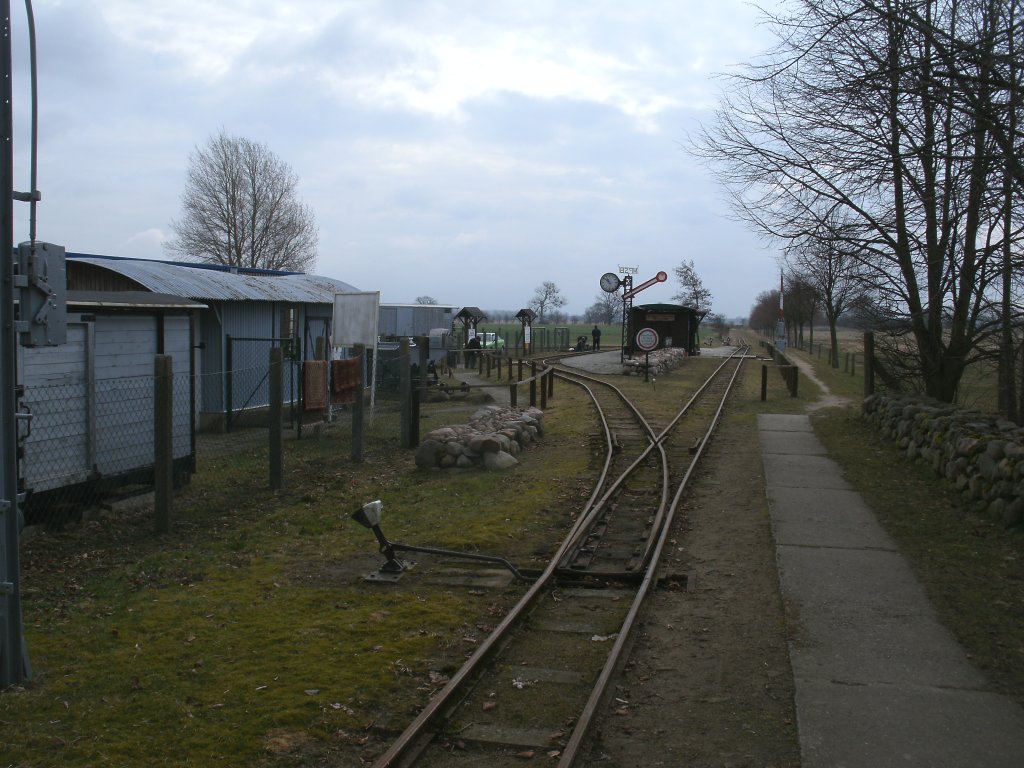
647,339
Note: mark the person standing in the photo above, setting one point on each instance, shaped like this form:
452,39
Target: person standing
596,335
471,348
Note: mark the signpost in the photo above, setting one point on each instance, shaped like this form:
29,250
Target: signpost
610,282
661,277
647,340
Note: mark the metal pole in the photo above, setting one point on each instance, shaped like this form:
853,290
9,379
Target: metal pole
14,665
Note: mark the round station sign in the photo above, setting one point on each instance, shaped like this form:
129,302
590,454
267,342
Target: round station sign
647,339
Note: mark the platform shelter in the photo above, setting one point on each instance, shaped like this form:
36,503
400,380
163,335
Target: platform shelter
676,325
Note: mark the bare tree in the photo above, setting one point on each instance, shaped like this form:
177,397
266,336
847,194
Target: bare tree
546,296
692,292
426,300
801,301
834,274
856,114
606,309
764,315
239,208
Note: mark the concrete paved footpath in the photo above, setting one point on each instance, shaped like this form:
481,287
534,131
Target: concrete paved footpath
879,682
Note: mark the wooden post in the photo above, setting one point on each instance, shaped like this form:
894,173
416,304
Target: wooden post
795,373
869,363
357,406
229,384
544,391
533,384
276,413
422,345
551,382
163,434
764,383
405,392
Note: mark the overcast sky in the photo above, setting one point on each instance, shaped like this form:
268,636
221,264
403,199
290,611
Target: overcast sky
464,150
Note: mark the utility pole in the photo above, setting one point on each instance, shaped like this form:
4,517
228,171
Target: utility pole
14,665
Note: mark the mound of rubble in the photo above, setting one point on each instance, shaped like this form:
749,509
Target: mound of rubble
492,439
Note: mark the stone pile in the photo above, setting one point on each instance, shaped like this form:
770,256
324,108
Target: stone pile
492,439
981,455
661,360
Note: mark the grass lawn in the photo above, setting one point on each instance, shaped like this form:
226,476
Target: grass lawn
247,636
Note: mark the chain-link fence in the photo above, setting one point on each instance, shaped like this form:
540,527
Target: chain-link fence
82,443
85,445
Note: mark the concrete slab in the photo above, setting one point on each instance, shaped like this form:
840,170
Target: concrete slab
879,681
788,422
881,726
792,471
829,518
863,618
792,442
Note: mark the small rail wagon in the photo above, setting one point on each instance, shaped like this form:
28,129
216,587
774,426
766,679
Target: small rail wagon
87,405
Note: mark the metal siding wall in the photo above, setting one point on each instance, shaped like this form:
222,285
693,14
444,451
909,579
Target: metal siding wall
406,325
125,350
211,366
57,391
251,359
388,321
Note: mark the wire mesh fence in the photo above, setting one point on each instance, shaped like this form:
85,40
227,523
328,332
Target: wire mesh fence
86,441
87,445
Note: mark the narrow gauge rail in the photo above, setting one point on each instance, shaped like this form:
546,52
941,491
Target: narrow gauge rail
554,654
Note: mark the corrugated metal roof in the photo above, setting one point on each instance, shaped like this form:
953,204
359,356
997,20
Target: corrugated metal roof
212,285
130,300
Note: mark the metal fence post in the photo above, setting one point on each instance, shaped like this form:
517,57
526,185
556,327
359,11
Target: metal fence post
276,414
163,433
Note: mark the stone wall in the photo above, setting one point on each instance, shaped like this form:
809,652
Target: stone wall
980,455
661,361
492,439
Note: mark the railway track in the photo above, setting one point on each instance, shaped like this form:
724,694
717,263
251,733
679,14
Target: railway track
533,687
